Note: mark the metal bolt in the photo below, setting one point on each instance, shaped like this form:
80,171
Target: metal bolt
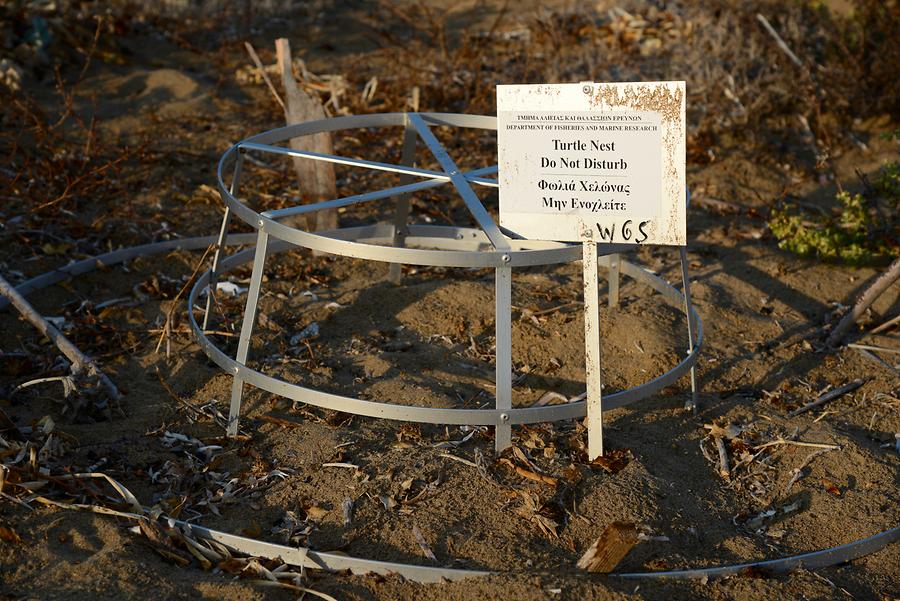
504,417
454,172
259,223
587,89
506,258
235,369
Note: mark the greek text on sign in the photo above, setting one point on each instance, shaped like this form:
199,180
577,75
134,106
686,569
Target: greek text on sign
601,161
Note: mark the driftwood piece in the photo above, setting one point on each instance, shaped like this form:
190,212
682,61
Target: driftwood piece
829,396
316,178
80,361
724,469
876,289
608,550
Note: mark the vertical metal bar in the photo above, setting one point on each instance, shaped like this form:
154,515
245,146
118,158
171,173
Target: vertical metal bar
407,158
237,386
220,243
688,311
592,349
614,269
503,337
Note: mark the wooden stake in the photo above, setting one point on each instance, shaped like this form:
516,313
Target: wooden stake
608,550
316,178
80,361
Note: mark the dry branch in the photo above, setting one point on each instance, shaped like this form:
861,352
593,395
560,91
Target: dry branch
316,178
869,347
829,396
262,71
80,361
876,289
873,357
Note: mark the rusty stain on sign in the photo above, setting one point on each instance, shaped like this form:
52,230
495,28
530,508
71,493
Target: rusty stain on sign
606,156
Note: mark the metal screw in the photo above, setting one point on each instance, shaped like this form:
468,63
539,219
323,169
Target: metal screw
504,417
505,258
454,172
235,369
259,223
587,89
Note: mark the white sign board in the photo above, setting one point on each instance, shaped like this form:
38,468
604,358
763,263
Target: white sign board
603,158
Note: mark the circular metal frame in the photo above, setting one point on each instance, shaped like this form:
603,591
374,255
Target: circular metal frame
472,417
523,253
305,557
400,243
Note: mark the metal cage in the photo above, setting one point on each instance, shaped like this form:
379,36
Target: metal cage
430,245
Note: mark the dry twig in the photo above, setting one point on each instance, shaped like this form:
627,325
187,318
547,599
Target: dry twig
797,443
871,294
262,71
779,41
829,396
80,361
167,328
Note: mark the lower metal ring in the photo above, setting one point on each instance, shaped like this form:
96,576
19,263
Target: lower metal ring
427,574
304,557
471,417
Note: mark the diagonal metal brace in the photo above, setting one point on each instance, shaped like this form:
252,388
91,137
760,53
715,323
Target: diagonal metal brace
459,180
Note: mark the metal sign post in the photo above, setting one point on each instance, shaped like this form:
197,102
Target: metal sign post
592,346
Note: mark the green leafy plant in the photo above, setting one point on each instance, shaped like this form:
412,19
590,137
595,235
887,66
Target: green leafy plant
861,231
